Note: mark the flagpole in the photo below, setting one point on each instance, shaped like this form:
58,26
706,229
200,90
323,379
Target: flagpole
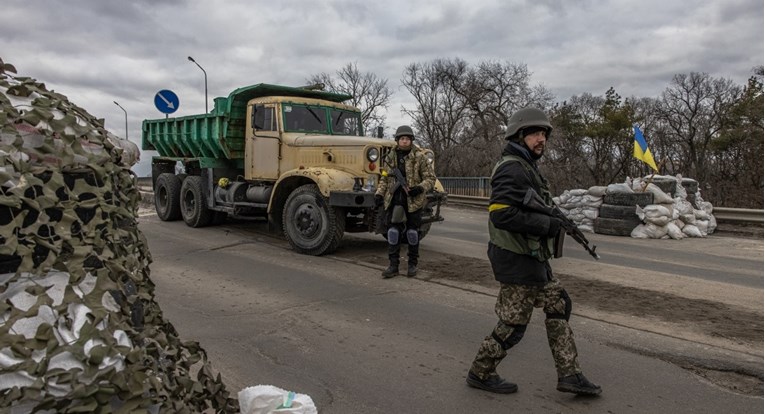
650,179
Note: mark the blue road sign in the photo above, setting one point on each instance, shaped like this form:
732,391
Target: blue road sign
166,101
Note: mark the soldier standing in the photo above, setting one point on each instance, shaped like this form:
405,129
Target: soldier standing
404,199
521,244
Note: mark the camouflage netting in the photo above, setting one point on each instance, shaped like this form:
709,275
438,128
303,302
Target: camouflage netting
81,330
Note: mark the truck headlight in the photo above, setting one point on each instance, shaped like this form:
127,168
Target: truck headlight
373,154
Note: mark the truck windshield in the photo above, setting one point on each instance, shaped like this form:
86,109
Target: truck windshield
313,119
345,122
299,118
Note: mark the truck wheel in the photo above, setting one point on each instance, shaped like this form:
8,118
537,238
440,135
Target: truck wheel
194,203
311,226
167,194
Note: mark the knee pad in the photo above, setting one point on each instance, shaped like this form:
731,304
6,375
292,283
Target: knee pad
515,336
412,237
393,235
567,305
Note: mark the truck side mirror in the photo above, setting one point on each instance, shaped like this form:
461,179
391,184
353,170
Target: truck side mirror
379,132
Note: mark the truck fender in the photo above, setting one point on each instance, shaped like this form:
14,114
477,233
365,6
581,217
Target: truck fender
326,179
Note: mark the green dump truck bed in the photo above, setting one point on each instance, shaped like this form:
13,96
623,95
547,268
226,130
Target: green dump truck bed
219,134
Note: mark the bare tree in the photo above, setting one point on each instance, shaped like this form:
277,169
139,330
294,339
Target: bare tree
693,110
370,93
461,109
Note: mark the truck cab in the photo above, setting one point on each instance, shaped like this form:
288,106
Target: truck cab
297,156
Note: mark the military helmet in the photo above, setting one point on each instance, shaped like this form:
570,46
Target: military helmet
527,117
404,130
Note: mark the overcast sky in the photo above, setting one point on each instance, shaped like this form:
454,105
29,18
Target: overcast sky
100,51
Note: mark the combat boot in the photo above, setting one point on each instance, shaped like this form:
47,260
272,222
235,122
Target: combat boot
393,258
411,270
578,384
391,271
494,383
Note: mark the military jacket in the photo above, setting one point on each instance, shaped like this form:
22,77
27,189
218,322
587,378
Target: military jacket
418,172
519,247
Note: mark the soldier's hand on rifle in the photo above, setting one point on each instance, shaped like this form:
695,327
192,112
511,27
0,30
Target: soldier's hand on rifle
555,226
379,200
415,191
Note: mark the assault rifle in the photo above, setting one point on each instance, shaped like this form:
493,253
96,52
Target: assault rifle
534,201
400,180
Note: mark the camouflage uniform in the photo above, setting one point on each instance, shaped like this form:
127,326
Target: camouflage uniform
514,306
418,172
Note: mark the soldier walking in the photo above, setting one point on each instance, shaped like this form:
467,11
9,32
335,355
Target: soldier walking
521,244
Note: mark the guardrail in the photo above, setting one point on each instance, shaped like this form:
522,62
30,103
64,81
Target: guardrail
740,215
722,214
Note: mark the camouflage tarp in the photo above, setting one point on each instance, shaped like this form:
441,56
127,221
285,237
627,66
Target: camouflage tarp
81,330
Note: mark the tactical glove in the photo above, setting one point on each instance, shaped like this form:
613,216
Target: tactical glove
379,200
415,191
555,225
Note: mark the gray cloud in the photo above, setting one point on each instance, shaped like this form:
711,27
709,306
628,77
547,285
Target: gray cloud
98,51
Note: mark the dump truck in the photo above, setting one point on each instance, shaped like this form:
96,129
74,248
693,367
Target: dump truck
296,156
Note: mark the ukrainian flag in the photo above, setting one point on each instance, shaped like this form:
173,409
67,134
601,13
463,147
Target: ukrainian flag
641,150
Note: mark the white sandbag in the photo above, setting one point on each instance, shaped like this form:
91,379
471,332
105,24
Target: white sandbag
675,232
590,228
703,226
265,399
577,217
701,215
706,206
680,190
659,220
653,211
683,206
591,213
712,224
659,196
592,201
679,223
618,188
691,230
648,231
597,191
688,218
654,214
578,192
640,232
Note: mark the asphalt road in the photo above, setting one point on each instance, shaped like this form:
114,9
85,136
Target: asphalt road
355,343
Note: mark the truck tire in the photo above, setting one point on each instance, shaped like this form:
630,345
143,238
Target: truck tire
615,227
194,203
310,224
167,195
629,199
611,211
